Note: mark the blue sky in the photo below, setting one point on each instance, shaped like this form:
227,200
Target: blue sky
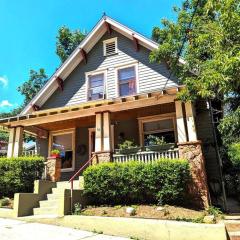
28,30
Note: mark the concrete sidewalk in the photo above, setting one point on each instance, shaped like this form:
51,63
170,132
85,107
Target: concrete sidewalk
20,230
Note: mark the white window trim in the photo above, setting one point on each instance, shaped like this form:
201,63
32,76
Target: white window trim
109,41
97,72
153,118
62,132
127,65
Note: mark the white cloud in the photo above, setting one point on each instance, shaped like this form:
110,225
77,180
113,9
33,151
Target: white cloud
4,81
5,103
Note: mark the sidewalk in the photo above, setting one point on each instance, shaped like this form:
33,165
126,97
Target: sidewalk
20,230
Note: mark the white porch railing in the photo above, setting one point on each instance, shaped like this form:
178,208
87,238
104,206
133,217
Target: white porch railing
29,153
146,156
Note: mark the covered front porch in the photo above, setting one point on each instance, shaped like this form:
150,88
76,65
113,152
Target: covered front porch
143,127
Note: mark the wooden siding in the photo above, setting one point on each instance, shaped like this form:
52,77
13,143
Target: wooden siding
205,134
152,76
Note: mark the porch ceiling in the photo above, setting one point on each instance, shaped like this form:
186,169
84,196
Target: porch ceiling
115,116
71,115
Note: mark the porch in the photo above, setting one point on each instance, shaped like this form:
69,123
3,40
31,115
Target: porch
102,127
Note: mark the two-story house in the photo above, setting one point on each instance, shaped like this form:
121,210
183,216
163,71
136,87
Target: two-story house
107,92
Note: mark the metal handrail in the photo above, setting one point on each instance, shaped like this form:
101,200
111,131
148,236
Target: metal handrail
79,171
75,175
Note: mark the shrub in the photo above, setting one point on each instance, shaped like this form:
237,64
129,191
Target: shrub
18,174
127,144
234,154
4,202
162,182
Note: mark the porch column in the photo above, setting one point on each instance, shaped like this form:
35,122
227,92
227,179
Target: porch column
11,142
107,132
181,131
99,133
103,138
18,143
192,134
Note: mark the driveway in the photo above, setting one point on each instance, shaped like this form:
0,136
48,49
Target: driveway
20,230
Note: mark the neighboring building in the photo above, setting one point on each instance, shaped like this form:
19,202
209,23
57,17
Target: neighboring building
106,92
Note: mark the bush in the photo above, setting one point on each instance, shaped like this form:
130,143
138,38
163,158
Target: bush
4,202
18,174
232,174
234,154
161,182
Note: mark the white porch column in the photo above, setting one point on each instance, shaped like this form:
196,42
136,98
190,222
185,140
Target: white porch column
181,131
18,143
11,142
107,132
192,133
99,133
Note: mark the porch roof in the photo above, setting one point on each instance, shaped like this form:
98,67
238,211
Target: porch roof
91,108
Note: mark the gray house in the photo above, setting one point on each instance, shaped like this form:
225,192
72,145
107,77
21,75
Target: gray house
106,93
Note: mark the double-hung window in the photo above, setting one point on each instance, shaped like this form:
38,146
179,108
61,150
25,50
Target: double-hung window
95,86
127,81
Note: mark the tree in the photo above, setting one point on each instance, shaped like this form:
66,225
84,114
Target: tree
33,85
211,36
67,42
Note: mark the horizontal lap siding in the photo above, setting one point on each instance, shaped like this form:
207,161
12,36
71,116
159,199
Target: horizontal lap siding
152,76
205,134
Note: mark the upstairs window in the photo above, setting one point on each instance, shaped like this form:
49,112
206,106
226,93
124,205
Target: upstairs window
95,86
110,47
127,81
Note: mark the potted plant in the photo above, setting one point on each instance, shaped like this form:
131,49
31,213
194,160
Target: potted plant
128,147
55,153
156,143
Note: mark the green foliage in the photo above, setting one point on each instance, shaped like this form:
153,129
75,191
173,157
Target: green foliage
77,209
3,136
55,151
4,202
67,42
155,140
214,211
162,182
193,220
229,127
33,85
18,174
212,49
211,52
127,144
234,154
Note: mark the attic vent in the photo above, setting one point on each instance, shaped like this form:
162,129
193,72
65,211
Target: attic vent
110,46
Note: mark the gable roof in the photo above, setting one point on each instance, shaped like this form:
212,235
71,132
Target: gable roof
76,57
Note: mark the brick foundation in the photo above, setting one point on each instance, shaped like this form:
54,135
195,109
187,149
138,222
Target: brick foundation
198,188
53,169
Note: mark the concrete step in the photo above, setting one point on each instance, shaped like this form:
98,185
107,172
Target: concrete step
234,235
52,196
232,217
58,191
77,184
49,203
45,210
232,225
